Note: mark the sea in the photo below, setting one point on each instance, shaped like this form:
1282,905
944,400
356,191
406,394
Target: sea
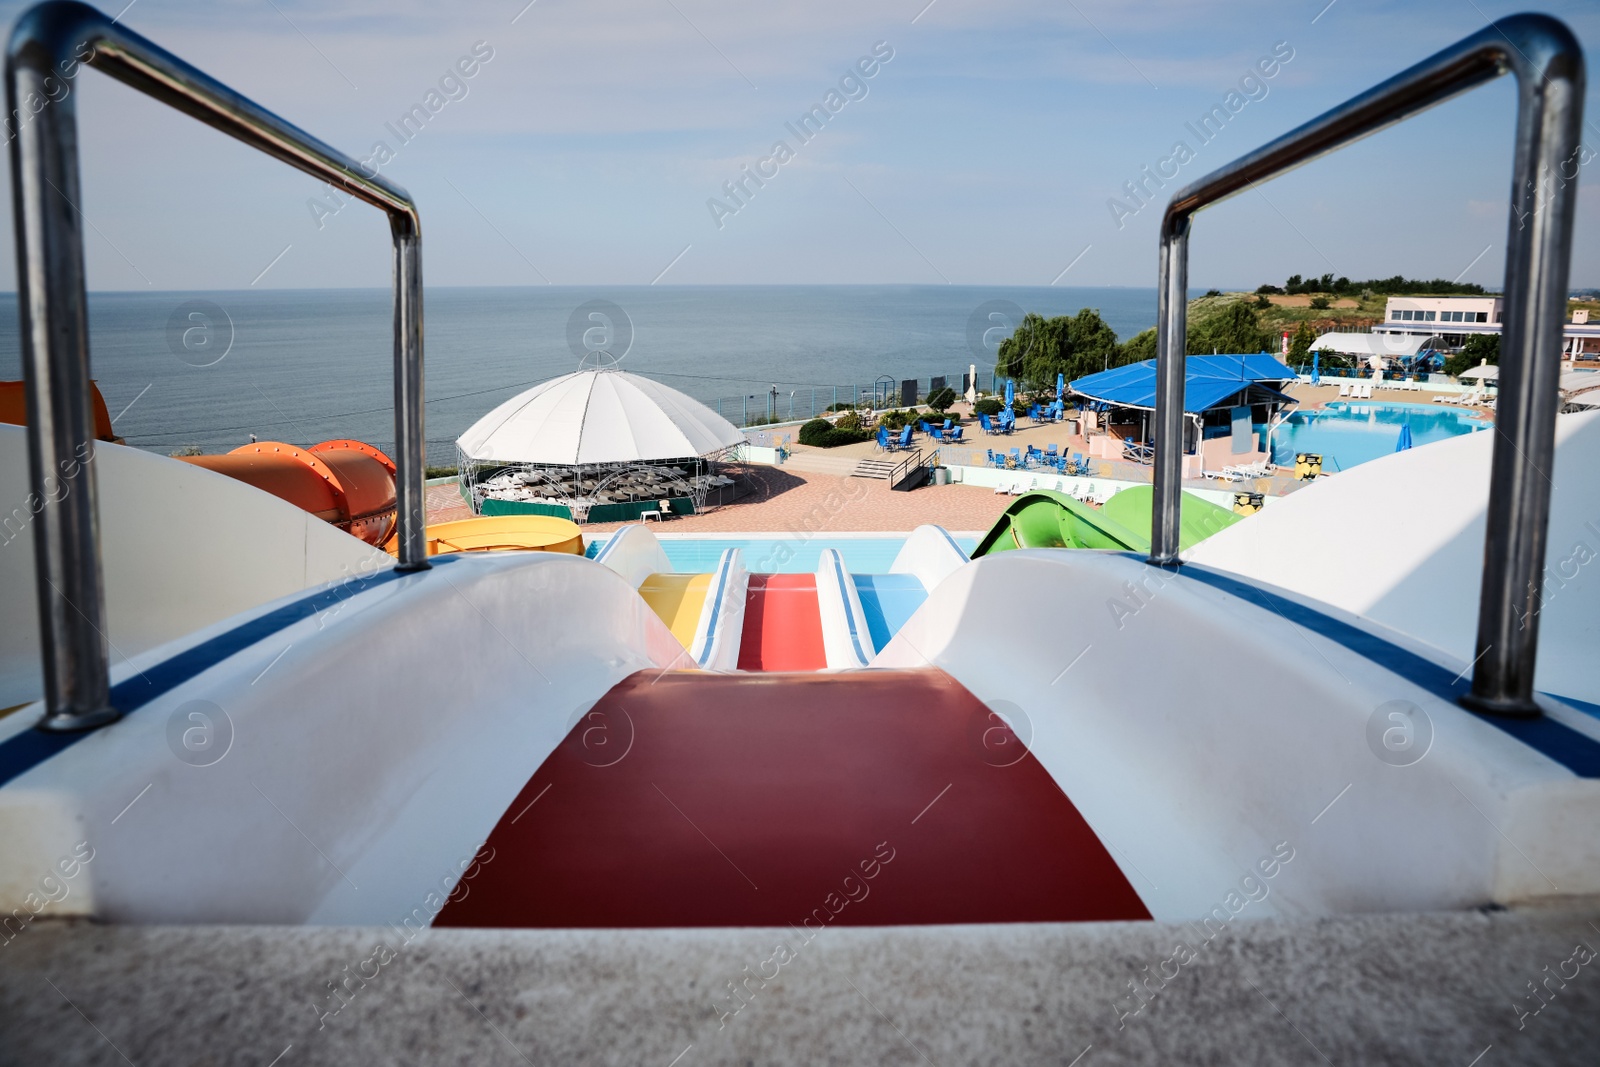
186,371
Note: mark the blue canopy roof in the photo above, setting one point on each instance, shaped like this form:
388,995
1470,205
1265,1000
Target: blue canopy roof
1209,381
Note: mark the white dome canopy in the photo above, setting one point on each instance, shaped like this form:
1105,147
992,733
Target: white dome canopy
598,416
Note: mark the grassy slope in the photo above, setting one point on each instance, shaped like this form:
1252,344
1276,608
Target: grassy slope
1369,312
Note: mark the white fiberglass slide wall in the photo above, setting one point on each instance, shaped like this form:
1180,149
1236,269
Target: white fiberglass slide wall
181,548
1201,733
1399,540
931,554
393,726
721,626
635,553
845,639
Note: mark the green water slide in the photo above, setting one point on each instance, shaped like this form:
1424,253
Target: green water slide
1045,519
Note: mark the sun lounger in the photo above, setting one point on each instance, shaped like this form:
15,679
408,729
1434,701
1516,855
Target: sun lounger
1344,388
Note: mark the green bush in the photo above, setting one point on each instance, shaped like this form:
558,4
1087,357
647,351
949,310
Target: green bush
1479,347
897,419
941,399
819,433
988,406
850,420
843,405
814,431
1320,303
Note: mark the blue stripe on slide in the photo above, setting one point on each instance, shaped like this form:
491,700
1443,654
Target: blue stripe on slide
1578,752
27,750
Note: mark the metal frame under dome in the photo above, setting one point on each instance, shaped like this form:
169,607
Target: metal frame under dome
588,479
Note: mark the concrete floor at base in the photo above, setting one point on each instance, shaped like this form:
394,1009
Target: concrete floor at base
1407,989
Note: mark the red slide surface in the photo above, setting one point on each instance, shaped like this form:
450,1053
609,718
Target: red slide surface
864,798
782,625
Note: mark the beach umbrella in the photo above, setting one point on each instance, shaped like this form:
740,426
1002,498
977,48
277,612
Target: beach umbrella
1405,437
1010,391
1316,369
1061,385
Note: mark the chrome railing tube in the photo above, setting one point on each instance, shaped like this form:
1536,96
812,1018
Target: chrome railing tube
1548,64
48,46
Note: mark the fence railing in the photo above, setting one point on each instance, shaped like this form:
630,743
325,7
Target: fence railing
47,40
1548,65
810,401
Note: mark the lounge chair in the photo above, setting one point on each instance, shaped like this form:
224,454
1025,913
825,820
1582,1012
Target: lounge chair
1344,388
1222,476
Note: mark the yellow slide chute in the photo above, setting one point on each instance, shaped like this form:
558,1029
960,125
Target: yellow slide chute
678,600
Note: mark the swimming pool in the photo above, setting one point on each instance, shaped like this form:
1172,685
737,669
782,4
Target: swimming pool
785,553
1346,434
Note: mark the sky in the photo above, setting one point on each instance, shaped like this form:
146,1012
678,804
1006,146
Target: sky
595,140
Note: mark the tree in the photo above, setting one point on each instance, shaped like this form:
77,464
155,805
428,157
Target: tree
1300,344
1320,303
1139,347
1234,329
941,399
1071,345
1479,347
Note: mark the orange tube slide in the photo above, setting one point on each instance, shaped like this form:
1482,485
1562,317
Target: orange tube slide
346,483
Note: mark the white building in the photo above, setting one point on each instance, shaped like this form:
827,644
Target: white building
1442,310
1445,322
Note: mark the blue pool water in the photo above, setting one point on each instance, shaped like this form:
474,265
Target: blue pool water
1346,434
783,555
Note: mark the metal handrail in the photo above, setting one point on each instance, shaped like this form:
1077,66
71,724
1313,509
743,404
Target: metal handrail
47,46
1548,64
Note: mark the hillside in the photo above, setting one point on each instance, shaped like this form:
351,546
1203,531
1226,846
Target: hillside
1287,312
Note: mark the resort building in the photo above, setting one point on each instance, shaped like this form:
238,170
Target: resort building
1445,323
1229,402
1443,309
